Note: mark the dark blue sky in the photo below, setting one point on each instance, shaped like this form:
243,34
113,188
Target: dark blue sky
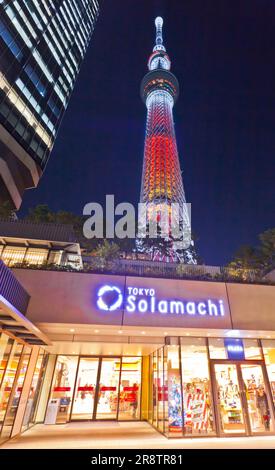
223,53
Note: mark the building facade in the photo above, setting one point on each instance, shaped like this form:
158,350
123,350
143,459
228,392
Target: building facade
42,46
162,185
191,357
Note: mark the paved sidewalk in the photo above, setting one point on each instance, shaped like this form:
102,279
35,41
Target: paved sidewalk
114,435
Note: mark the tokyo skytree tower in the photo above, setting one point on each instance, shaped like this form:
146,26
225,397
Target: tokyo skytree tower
162,183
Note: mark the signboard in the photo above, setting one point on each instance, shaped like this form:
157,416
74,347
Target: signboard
161,302
234,348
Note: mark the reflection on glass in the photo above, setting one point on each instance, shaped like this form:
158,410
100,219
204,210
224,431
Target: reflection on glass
229,399
83,406
63,386
16,394
130,389
257,398
107,403
197,400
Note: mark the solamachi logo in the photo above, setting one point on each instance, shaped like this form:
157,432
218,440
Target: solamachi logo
109,298
145,300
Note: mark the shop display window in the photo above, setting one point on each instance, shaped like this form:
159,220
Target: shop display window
130,388
16,393
150,391
258,400
196,387
5,349
269,357
175,410
155,386
8,380
59,405
160,391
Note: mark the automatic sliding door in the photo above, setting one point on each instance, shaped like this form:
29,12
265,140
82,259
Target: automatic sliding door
85,388
107,401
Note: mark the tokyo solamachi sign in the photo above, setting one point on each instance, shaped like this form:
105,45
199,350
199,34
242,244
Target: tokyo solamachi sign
146,301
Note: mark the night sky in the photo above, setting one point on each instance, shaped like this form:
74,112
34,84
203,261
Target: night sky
223,54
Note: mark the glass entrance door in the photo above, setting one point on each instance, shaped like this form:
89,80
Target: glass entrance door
242,398
85,388
108,388
229,399
258,400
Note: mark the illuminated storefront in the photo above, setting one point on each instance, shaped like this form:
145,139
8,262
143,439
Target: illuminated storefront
193,358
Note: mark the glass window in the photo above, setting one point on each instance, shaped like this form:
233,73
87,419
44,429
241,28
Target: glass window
252,349
174,392
107,403
269,357
155,386
231,416
160,391
16,393
217,349
13,255
34,390
36,256
130,388
8,380
85,388
63,386
196,386
5,348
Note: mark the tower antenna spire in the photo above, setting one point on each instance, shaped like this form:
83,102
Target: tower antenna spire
159,38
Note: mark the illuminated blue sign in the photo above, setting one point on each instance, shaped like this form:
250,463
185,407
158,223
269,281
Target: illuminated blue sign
145,300
109,298
234,348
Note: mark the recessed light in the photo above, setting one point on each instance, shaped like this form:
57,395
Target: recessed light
208,334
72,330
96,331
268,336
187,334
120,332
165,333
143,332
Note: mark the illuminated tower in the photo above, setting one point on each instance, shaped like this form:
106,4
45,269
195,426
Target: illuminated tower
161,178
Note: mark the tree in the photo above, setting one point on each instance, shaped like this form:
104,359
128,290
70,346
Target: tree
7,210
267,248
40,213
106,253
245,262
